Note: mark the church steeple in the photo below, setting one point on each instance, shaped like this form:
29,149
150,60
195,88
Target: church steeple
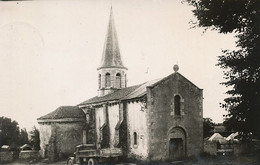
111,53
111,72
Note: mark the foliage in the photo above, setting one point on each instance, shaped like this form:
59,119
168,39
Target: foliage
23,137
242,66
208,127
10,133
35,138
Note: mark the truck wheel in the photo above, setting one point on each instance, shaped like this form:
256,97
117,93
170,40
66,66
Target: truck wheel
70,162
92,161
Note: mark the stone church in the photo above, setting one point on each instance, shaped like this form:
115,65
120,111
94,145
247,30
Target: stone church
156,120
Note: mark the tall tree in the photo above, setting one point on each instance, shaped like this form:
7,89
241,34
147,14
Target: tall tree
35,138
10,134
23,137
242,66
208,127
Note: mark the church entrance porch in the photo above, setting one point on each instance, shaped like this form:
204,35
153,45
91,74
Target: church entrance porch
176,151
176,144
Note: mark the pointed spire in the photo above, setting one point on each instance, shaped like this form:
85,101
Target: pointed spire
111,54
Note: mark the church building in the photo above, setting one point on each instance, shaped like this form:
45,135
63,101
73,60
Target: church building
160,119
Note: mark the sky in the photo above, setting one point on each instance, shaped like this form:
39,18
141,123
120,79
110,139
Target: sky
50,50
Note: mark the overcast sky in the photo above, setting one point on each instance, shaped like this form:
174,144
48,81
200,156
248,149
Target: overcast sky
49,52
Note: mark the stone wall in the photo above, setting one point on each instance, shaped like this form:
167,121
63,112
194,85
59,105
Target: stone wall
246,147
210,147
45,134
113,115
29,154
136,122
59,139
112,122
68,136
162,118
7,156
239,148
100,121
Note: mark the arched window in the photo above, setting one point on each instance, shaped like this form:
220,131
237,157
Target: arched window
118,80
99,81
135,138
177,105
108,81
87,118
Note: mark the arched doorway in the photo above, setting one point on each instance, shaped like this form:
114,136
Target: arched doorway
177,143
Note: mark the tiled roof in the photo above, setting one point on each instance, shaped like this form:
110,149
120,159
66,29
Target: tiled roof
64,112
129,93
117,95
141,90
123,94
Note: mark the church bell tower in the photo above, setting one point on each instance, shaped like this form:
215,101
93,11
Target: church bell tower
111,72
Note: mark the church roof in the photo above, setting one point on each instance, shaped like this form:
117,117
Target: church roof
111,54
131,92
64,112
117,95
128,93
141,90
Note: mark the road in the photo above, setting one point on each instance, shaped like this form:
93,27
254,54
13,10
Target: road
232,160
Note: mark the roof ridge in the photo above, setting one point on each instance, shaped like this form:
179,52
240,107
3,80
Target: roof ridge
117,95
56,112
119,90
141,88
64,112
136,90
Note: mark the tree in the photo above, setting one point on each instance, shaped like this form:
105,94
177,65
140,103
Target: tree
23,137
208,127
9,132
241,67
35,138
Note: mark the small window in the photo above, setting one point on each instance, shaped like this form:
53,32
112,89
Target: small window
108,81
135,138
118,80
99,81
177,105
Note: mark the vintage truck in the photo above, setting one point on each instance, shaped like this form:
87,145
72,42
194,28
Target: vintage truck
90,155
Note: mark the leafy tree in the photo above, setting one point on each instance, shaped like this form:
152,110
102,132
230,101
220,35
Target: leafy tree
242,66
35,138
208,127
9,132
23,137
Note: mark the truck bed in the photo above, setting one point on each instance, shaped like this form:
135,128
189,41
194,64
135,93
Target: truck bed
105,152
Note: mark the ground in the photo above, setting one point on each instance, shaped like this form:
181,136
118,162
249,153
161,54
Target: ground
200,160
